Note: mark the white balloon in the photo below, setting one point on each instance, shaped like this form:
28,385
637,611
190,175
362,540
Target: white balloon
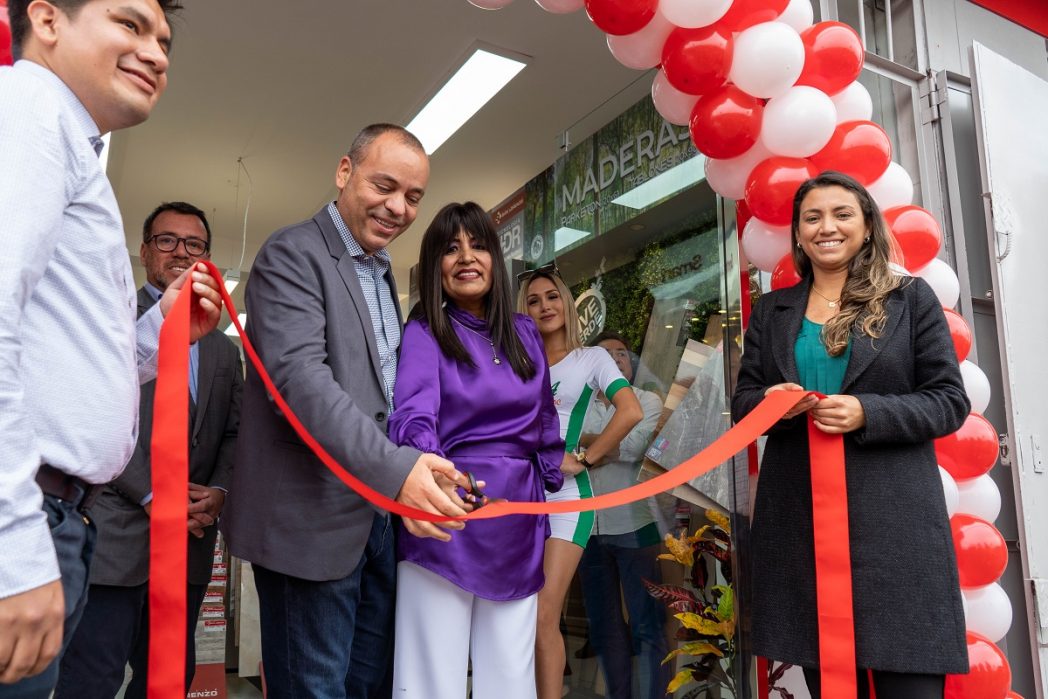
980,497
798,123
561,7
893,188
798,14
642,49
943,281
949,489
693,13
674,106
728,177
764,244
853,103
988,611
976,385
490,4
768,59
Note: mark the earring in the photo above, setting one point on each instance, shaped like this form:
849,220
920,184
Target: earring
798,244
866,239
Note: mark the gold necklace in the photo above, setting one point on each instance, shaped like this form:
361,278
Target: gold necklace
832,303
494,357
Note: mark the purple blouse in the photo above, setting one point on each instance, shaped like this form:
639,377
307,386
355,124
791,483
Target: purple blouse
489,422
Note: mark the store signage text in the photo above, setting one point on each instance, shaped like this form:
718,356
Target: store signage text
643,150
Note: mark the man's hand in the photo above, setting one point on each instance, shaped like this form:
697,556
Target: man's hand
207,311
30,631
427,488
839,414
205,505
804,406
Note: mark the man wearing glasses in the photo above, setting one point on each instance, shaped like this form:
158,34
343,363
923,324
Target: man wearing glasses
114,629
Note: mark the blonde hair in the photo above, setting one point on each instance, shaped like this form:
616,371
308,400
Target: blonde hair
572,340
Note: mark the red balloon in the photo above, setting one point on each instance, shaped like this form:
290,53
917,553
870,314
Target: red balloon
860,149
6,57
697,61
917,233
982,554
772,184
960,333
621,17
746,13
970,451
742,215
989,676
1013,695
785,274
833,56
726,123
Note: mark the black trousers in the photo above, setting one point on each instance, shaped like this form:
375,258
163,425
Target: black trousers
113,632
887,685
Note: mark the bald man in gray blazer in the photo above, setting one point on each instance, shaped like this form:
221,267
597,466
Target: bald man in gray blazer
323,314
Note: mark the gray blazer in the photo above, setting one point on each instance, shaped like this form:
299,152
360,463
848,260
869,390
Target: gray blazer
309,322
907,601
122,551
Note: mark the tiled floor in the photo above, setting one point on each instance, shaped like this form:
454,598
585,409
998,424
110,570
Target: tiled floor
584,682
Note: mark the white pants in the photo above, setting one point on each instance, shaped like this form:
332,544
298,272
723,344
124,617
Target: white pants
440,627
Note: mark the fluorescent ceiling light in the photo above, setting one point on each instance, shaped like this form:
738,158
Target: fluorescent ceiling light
563,237
670,182
232,329
478,80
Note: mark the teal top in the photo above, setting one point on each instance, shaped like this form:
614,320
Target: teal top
818,371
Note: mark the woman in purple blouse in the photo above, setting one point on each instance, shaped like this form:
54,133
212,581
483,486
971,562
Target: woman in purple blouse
473,386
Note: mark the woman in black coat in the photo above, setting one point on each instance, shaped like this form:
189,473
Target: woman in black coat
877,343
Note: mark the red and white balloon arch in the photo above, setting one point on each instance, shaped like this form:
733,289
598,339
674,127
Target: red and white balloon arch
772,99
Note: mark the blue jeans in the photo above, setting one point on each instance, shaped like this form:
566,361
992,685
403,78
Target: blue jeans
114,631
74,539
331,639
611,561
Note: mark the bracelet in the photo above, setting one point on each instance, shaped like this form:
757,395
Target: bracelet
580,456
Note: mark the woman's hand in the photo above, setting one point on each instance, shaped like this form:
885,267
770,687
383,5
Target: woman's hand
570,465
806,403
839,414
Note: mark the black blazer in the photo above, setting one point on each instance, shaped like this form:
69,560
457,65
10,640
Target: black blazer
908,613
122,550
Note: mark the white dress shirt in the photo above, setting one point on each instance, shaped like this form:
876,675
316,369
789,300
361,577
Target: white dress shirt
70,358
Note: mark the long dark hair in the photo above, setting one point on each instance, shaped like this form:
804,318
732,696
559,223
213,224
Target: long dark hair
870,278
443,230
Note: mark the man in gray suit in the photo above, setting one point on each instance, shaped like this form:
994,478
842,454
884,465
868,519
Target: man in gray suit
115,627
323,314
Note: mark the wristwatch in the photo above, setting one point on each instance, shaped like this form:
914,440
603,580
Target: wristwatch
580,456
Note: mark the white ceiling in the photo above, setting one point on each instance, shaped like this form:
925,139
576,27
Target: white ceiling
286,86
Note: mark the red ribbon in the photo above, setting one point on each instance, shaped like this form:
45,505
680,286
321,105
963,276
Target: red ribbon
833,580
168,532
170,458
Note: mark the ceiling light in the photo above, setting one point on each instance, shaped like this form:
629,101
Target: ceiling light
232,329
563,237
471,87
670,182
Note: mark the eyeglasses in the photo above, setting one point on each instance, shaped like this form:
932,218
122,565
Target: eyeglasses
165,242
548,269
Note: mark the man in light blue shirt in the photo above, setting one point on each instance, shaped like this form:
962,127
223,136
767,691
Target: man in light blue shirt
71,354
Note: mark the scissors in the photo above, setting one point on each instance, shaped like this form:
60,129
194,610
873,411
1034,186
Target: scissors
480,499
